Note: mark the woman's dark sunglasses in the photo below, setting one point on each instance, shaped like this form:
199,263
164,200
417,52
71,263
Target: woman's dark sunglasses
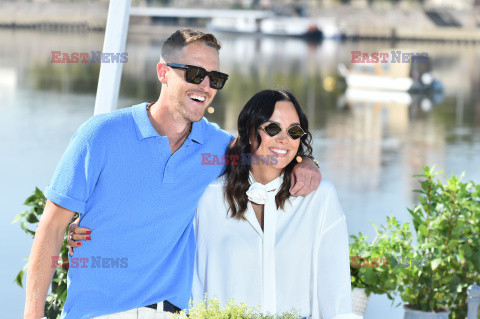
196,74
295,131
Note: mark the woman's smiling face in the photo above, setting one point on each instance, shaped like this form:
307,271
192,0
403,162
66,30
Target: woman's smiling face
281,146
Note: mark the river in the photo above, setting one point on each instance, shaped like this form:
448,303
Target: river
369,149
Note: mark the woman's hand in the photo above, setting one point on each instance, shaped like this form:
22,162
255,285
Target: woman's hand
306,178
76,233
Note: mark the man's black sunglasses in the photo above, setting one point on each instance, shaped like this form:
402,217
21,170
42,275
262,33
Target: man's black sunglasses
196,74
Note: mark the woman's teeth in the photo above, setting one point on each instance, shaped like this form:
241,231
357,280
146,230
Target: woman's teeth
278,151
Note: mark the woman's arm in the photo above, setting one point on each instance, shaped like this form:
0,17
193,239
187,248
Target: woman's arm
334,281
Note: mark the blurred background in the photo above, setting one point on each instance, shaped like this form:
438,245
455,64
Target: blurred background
369,139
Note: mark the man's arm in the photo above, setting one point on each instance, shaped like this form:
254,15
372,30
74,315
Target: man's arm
47,243
306,177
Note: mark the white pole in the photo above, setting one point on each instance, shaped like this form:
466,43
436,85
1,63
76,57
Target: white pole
115,40
473,301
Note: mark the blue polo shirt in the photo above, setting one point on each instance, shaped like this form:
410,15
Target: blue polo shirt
139,201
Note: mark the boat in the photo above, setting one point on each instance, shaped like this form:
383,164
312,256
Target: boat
391,73
302,27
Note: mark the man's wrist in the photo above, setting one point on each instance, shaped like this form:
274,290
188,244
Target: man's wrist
313,160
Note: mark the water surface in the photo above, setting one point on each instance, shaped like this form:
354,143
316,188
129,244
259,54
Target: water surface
369,149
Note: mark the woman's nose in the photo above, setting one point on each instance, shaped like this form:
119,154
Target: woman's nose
282,137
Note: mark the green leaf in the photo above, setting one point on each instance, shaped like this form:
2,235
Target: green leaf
423,229
18,217
32,219
63,296
435,263
370,277
18,280
29,200
39,193
61,289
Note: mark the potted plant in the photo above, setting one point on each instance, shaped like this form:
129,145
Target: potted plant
447,228
374,266
212,309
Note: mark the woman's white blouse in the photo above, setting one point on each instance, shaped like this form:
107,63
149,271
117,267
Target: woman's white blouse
300,261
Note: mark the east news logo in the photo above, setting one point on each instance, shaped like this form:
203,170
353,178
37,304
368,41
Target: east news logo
85,57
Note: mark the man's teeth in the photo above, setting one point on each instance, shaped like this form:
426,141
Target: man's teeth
197,97
276,150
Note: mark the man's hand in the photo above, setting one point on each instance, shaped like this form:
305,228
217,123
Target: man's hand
306,178
77,233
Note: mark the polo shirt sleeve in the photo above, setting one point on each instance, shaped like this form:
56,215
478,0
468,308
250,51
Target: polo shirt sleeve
77,172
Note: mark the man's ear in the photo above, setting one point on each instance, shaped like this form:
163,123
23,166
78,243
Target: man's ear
162,72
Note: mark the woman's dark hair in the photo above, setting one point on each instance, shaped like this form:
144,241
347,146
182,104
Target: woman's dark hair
257,111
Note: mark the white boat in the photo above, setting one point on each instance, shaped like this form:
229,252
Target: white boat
273,26
354,98
354,95
391,75
241,24
305,27
291,26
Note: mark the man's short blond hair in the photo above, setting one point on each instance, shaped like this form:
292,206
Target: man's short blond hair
183,37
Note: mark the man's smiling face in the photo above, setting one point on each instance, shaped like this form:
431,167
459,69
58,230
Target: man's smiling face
187,99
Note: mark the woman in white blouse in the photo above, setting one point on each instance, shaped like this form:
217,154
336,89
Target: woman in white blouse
257,244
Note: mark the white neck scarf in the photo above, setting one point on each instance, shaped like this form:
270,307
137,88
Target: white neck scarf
259,193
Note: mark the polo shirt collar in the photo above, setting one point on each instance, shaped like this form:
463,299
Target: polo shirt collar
197,131
146,129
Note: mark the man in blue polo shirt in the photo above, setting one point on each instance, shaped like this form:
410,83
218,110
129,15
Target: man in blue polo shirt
135,176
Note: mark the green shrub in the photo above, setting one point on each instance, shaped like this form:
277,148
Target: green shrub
447,229
212,309
371,264
442,262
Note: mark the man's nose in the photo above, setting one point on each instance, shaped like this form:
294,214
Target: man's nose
205,83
